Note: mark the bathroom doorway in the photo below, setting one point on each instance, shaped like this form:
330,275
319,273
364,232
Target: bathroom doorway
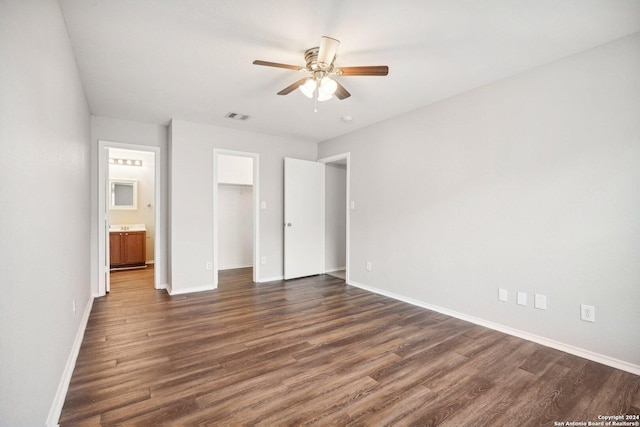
128,207
131,213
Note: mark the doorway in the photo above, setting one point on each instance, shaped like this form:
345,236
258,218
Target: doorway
128,206
131,213
236,212
337,215
306,218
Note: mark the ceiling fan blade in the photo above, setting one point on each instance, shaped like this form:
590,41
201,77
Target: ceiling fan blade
374,70
327,51
287,90
341,93
275,64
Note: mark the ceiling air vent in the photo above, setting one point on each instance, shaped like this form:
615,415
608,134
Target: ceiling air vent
236,116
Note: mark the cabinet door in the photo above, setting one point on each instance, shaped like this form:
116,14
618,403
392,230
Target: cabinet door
134,248
115,249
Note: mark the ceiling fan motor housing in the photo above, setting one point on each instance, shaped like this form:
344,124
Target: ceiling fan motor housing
318,69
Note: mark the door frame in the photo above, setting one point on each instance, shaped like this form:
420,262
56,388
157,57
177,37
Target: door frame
103,213
256,210
331,159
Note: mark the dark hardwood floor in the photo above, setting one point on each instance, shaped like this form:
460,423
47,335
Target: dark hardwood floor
316,351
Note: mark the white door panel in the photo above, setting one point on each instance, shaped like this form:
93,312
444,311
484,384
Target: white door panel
106,265
304,215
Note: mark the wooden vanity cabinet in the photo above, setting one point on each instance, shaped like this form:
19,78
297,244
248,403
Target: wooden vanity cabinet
127,248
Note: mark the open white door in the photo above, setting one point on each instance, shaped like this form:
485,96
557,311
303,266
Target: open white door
304,214
107,203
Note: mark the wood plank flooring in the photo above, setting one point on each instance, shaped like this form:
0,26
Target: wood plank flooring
317,351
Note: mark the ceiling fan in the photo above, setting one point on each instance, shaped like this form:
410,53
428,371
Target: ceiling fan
321,84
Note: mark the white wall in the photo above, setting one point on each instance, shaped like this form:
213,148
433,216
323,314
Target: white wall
531,184
44,207
191,212
137,133
335,216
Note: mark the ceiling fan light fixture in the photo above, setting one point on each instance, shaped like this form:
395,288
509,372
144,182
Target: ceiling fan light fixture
328,86
308,88
324,96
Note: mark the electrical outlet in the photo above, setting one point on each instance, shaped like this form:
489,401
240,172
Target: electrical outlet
263,261
503,295
369,266
353,205
263,205
209,265
587,313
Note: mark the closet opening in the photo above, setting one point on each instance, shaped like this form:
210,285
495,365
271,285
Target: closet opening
235,216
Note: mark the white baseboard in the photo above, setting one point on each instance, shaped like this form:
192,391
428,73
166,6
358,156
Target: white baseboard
162,286
567,348
332,269
270,279
207,287
63,385
233,267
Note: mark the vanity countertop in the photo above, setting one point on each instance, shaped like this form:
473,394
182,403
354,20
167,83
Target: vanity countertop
127,227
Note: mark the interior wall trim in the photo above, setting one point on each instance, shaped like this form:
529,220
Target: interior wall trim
233,267
65,380
201,288
567,348
270,279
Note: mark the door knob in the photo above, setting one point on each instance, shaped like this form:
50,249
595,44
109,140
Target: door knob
288,224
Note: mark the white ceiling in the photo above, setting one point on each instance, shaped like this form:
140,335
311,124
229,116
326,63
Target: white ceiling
153,60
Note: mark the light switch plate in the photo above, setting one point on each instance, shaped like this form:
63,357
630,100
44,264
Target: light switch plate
522,298
540,301
503,295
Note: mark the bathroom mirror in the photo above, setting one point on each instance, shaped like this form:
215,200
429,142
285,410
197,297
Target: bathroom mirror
123,194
